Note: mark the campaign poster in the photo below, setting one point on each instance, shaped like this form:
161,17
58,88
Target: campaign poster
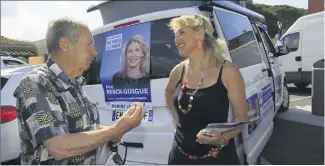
253,113
125,67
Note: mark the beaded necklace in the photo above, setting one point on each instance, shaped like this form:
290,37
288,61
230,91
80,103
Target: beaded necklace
200,84
213,153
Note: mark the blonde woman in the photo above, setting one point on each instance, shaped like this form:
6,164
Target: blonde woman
134,63
199,91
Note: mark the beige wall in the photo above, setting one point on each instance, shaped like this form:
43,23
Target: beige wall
36,60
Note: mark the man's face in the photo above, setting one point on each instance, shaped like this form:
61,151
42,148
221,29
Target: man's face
82,52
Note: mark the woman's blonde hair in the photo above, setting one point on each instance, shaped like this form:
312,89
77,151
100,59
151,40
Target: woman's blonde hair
144,64
212,48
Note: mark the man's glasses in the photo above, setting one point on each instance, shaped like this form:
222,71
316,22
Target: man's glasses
120,150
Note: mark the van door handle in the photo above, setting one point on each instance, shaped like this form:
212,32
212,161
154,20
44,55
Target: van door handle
264,70
298,58
133,144
269,72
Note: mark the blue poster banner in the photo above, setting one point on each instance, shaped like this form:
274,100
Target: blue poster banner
125,65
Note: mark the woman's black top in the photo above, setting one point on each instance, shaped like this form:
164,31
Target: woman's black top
120,80
210,105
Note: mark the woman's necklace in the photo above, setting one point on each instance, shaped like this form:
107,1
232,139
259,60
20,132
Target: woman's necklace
200,84
134,76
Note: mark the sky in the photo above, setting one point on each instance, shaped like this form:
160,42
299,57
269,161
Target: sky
27,20
295,3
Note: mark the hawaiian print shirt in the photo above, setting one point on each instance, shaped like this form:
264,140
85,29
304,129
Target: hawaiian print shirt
50,104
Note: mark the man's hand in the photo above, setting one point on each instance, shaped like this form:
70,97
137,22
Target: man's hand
116,142
131,118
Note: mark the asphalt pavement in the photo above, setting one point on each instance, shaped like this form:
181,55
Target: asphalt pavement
298,135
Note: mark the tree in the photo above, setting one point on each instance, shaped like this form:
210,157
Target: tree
269,14
278,18
287,15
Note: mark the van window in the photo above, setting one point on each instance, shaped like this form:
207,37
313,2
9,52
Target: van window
12,62
238,32
3,82
163,51
92,74
268,44
292,41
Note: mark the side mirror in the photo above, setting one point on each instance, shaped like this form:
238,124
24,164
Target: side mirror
282,50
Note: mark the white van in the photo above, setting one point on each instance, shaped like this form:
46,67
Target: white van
248,46
305,39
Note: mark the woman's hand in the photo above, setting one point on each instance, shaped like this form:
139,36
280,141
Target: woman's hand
211,137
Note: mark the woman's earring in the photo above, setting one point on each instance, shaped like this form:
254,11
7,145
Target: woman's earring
199,45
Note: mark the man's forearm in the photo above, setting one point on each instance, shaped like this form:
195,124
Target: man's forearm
79,143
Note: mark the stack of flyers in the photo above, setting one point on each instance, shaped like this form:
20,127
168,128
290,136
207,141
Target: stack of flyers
224,127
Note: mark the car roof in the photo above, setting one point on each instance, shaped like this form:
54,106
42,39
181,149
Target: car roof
10,58
6,72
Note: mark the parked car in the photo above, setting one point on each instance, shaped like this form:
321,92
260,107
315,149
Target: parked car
305,39
248,46
7,61
10,79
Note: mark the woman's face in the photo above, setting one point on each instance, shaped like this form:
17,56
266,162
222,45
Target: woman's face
186,41
134,55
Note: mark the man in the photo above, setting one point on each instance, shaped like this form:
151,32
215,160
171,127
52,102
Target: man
58,123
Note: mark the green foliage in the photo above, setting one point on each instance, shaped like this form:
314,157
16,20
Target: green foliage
287,15
278,18
35,50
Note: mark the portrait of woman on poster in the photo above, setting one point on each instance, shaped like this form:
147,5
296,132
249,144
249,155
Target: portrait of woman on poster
134,63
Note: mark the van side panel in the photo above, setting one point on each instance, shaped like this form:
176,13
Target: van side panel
313,45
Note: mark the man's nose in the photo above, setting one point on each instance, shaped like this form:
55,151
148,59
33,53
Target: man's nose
93,52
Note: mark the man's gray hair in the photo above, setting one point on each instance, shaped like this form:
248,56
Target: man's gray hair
62,27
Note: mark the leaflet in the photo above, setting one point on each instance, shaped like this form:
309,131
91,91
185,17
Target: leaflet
224,127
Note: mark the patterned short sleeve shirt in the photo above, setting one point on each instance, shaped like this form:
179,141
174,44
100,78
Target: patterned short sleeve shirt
50,104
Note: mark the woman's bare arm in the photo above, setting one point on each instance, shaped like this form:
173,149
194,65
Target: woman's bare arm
234,82
174,77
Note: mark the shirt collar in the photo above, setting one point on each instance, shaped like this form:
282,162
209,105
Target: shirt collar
59,73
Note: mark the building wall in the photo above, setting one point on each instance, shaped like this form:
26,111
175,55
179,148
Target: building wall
315,6
36,60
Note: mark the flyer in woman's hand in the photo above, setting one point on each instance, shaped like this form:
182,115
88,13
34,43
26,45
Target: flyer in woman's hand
224,127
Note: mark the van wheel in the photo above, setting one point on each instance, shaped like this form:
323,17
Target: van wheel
286,99
301,85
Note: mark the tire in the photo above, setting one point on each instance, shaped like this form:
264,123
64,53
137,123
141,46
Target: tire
286,99
301,85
